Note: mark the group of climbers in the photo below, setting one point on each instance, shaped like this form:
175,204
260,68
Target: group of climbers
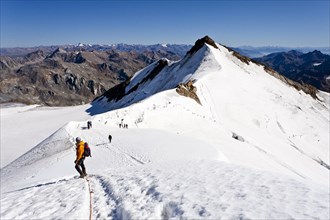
83,151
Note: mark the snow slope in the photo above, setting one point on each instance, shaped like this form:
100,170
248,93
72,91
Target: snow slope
23,127
251,150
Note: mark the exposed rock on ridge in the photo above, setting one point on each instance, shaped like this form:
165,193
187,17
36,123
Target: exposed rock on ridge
312,68
118,92
200,43
308,89
188,90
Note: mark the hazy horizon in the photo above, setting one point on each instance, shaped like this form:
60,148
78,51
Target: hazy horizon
241,46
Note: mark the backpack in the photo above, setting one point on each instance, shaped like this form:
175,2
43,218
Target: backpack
87,150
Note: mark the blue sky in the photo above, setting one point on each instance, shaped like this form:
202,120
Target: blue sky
233,23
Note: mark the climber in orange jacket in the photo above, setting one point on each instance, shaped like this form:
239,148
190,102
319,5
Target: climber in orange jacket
80,158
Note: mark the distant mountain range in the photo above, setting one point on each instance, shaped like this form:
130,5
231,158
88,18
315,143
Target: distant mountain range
312,68
72,75
254,52
76,74
179,49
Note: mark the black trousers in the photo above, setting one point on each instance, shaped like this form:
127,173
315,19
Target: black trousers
82,165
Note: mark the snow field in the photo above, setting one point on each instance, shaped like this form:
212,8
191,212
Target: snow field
63,198
137,176
179,190
23,127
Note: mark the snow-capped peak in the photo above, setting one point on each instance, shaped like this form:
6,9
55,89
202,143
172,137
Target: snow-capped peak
205,55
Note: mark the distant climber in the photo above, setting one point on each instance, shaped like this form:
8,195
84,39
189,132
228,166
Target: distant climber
122,125
110,138
80,145
89,124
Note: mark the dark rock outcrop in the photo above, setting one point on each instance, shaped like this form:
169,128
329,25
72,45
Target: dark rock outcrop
188,90
118,92
103,67
79,58
200,43
242,58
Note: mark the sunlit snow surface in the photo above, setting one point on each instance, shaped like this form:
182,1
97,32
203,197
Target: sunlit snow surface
178,159
23,127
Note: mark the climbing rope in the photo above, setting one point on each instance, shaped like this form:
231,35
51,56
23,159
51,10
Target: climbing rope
90,199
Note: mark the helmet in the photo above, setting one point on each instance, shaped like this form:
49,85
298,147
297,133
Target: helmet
78,139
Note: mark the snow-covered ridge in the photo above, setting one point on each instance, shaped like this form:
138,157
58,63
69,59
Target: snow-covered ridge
164,74
227,83
159,76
